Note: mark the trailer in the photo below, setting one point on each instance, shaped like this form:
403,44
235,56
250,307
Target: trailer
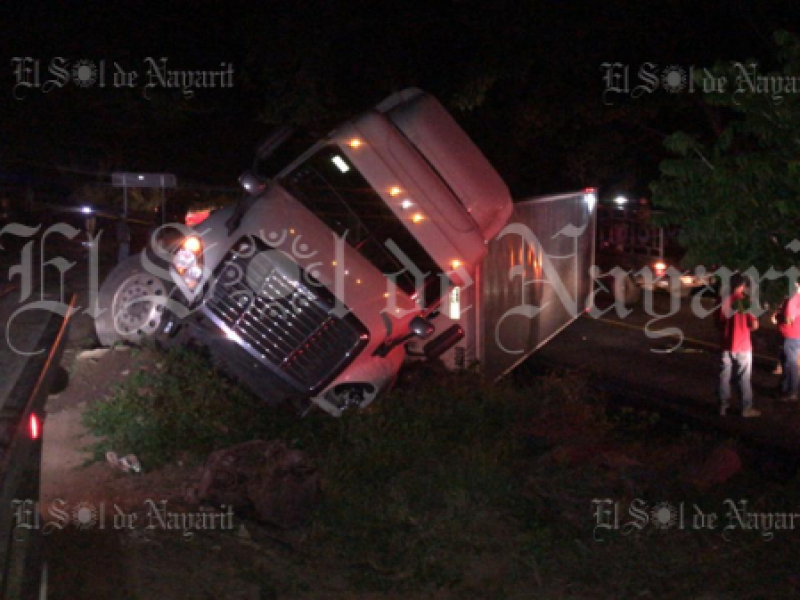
390,239
533,282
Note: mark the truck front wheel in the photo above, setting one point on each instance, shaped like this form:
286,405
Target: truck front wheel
132,301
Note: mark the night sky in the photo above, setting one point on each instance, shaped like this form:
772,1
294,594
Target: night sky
525,78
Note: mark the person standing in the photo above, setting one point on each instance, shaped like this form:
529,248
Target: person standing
789,326
779,318
736,323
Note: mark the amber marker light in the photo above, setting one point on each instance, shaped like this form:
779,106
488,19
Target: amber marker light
355,143
395,191
192,244
418,218
455,263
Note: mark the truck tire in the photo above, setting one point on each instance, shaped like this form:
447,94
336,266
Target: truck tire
131,302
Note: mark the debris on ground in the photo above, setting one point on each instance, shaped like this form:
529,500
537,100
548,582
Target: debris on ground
94,355
127,464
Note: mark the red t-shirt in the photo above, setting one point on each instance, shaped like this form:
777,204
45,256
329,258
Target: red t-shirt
791,313
735,326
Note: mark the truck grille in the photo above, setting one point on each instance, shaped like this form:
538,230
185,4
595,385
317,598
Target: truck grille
282,317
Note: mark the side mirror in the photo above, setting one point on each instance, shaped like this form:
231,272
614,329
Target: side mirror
421,328
251,183
418,327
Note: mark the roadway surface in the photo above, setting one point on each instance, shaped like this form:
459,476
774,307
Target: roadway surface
679,380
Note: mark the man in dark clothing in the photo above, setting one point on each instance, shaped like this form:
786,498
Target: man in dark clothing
736,323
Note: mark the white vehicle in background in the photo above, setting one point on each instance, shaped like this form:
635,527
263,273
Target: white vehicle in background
319,284
627,238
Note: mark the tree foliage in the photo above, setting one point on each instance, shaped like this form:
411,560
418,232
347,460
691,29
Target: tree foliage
735,190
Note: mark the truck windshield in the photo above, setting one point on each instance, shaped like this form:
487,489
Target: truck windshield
332,188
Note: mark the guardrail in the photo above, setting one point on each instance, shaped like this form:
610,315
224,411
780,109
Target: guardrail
22,571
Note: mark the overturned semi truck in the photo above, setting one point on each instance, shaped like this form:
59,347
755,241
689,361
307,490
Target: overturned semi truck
391,239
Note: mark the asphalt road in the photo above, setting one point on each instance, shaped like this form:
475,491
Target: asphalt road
671,364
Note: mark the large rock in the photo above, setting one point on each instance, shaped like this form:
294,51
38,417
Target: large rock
267,480
722,464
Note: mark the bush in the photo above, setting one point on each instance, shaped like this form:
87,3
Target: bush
176,404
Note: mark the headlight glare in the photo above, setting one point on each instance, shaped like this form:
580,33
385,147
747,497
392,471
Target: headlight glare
183,260
188,261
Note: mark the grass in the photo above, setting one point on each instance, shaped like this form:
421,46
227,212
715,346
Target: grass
449,485
173,404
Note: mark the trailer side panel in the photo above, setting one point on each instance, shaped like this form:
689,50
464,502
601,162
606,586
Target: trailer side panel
535,279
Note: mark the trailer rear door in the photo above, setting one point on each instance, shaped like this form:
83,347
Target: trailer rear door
534,281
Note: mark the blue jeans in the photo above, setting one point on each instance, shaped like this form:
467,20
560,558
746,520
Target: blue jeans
791,349
740,366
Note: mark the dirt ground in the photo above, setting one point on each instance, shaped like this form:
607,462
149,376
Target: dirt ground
115,535
95,551
100,552
104,538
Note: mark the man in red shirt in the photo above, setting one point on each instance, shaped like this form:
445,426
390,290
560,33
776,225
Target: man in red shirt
736,323
789,326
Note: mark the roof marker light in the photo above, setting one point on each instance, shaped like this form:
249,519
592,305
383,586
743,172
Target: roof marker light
340,164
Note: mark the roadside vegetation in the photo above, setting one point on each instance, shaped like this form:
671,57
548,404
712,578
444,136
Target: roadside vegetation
479,491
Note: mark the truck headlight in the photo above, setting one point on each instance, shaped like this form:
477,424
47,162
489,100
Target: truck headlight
188,261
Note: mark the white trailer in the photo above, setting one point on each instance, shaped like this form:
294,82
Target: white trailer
532,283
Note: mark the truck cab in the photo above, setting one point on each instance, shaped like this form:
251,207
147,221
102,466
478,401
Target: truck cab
310,288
